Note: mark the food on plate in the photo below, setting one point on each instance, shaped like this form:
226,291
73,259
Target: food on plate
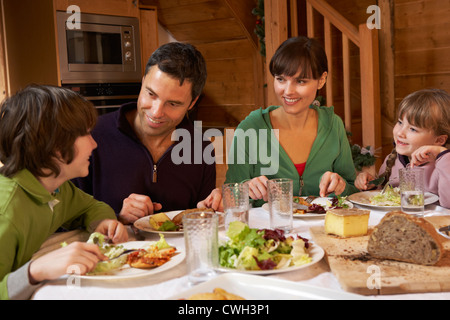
157,220
150,258
347,223
178,219
110,250
389,198
262,249
217,294
315,208
403,237
154,255
161,222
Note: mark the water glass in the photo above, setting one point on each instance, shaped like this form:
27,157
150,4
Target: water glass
202,251
412,190
235,202
280,204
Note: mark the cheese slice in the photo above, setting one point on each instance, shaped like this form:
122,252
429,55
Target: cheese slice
347,223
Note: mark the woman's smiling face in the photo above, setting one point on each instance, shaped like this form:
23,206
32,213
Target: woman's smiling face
295,93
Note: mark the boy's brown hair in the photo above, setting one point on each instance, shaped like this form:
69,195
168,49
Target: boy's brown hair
39,126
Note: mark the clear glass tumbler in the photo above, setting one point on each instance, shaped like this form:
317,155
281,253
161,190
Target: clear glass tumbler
201,240
235,202
412,190
280,204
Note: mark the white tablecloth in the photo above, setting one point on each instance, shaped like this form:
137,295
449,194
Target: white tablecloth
172,282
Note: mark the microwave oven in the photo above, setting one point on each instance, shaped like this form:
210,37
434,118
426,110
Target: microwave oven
99,49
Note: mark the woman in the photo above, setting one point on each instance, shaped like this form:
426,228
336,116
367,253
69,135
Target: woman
44,142
313,147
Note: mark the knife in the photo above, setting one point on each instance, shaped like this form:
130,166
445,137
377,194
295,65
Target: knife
377,181
444,229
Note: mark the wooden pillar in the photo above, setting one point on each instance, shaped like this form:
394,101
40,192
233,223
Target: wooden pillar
370,87
276,32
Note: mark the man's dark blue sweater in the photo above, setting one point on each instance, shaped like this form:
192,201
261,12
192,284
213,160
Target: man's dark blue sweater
122,165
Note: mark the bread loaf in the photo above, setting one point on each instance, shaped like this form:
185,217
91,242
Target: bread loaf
406,238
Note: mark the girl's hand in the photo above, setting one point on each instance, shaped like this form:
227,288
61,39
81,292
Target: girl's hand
114,230
258,188
425,154
77,257
331,182
362,180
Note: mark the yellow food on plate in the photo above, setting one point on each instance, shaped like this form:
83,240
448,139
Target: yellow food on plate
158,219
347,223
217,294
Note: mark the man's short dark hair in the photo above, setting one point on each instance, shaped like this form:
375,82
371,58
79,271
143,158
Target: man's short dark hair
183,62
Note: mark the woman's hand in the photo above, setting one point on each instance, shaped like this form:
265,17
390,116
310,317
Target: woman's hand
331,182
257,188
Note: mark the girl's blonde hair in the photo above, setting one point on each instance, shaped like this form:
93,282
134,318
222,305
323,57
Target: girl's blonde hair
426,109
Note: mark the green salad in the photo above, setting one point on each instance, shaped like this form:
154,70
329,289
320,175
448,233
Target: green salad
262,249
389,198
109,250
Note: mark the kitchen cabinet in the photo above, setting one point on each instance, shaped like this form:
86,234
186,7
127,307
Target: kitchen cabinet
29,52
126,8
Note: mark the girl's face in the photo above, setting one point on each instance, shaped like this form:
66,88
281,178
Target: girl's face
79,167
297,94
409,138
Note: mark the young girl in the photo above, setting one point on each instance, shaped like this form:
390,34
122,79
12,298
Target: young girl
421,137
45,142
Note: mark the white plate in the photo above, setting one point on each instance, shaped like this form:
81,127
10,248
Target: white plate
126,272
315,252
363,199
251,287
324,202
144,223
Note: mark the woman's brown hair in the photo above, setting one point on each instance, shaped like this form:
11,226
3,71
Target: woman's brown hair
299,53
39,126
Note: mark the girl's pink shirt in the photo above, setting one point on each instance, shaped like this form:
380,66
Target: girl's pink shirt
437,176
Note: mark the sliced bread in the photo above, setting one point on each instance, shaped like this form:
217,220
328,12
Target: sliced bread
406,238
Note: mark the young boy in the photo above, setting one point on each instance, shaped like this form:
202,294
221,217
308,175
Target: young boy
44,142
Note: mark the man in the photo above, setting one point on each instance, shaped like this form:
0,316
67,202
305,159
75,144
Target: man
133,168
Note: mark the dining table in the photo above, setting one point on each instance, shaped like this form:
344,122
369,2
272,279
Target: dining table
169,283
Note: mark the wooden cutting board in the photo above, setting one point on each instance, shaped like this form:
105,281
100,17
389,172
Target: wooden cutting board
359,273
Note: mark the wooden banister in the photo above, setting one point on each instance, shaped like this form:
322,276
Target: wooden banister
336,19
367,41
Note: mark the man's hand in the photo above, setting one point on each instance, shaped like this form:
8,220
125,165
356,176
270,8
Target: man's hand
137,206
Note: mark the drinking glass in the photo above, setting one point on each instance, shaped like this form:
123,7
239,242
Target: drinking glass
280,204
412,190
235,202
202,251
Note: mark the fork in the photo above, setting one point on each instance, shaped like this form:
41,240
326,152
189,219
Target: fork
310,199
